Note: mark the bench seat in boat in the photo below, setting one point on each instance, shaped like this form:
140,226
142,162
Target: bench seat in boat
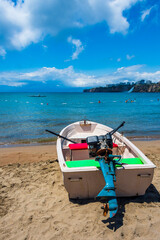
93,163
78,146
80,151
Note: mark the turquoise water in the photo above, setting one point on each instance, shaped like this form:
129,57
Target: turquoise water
23,117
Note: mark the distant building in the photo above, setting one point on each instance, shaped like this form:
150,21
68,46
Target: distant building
141,81
148,82
110,85
123,83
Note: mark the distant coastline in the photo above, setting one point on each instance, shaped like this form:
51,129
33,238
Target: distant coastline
140,86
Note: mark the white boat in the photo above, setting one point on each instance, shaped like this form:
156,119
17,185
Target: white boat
82,175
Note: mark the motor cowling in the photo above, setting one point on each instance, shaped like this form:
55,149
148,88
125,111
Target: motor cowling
95,143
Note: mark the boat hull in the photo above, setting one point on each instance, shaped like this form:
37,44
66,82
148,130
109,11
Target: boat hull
129,182
87,182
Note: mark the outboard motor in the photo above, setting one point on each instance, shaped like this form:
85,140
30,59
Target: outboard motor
102,148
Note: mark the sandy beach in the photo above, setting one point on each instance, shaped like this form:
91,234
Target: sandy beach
34,204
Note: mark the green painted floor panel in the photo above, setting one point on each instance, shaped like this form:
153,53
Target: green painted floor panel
93,163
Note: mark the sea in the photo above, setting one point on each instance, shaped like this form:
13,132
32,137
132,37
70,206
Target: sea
25,117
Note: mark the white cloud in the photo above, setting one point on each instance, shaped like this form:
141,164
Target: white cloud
129,57
2,52
16,29
30,21
132,68
44,46
69,77
134,73
78,45
146,13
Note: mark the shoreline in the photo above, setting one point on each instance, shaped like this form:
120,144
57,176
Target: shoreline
32,144
22,154
52,141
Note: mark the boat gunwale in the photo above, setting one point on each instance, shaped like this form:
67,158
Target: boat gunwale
146,162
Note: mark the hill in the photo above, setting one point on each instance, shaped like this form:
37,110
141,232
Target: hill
140,86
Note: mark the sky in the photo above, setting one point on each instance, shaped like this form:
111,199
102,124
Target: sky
59,45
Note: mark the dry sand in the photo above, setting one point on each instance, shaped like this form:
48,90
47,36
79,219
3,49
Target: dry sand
34,204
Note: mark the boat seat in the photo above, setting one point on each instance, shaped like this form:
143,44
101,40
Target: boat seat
93,163
115,145
80,151
78,146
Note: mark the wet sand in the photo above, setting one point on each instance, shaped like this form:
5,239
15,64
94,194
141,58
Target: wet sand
34,204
